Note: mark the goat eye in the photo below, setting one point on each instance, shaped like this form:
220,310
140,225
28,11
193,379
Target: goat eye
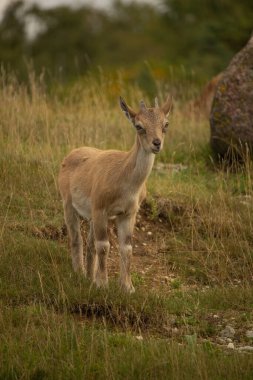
140,129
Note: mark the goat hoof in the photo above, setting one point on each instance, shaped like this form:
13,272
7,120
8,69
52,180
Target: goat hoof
101,283
89,276
128,288
131,290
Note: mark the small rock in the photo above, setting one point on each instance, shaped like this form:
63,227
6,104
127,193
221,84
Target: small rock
149,233
144,244
215,316
221,340
229,340
231,345
139,337
136,246
228,332
143,229
249,334
246,348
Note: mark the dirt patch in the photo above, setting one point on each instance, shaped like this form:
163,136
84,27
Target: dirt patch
155,223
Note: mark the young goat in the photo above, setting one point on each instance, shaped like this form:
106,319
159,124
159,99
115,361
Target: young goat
100,185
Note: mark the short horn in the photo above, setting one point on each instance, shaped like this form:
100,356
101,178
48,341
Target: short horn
156,102
142,105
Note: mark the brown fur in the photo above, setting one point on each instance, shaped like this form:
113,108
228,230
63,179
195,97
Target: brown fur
100,185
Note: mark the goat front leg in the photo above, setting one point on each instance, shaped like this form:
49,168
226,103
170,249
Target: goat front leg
125,226
102,246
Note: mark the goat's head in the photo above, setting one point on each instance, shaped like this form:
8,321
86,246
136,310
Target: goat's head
151,124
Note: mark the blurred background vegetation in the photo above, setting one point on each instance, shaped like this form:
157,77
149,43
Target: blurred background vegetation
146,41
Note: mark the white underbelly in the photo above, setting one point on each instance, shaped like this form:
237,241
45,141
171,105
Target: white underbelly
83,206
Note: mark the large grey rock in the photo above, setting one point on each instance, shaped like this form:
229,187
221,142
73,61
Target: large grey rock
231,117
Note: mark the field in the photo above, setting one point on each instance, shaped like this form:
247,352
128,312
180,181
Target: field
193,248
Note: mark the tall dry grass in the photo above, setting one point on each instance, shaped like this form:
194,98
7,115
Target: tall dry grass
87,113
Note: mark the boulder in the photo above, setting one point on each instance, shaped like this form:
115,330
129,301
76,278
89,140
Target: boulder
231,118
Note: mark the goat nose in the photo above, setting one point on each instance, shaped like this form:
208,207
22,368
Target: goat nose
157,142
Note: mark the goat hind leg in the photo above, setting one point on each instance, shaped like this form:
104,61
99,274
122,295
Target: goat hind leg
91,257
76,242
102,246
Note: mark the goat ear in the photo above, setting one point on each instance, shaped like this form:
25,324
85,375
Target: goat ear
129,112
167,106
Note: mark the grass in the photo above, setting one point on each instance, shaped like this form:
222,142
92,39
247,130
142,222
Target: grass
53,324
